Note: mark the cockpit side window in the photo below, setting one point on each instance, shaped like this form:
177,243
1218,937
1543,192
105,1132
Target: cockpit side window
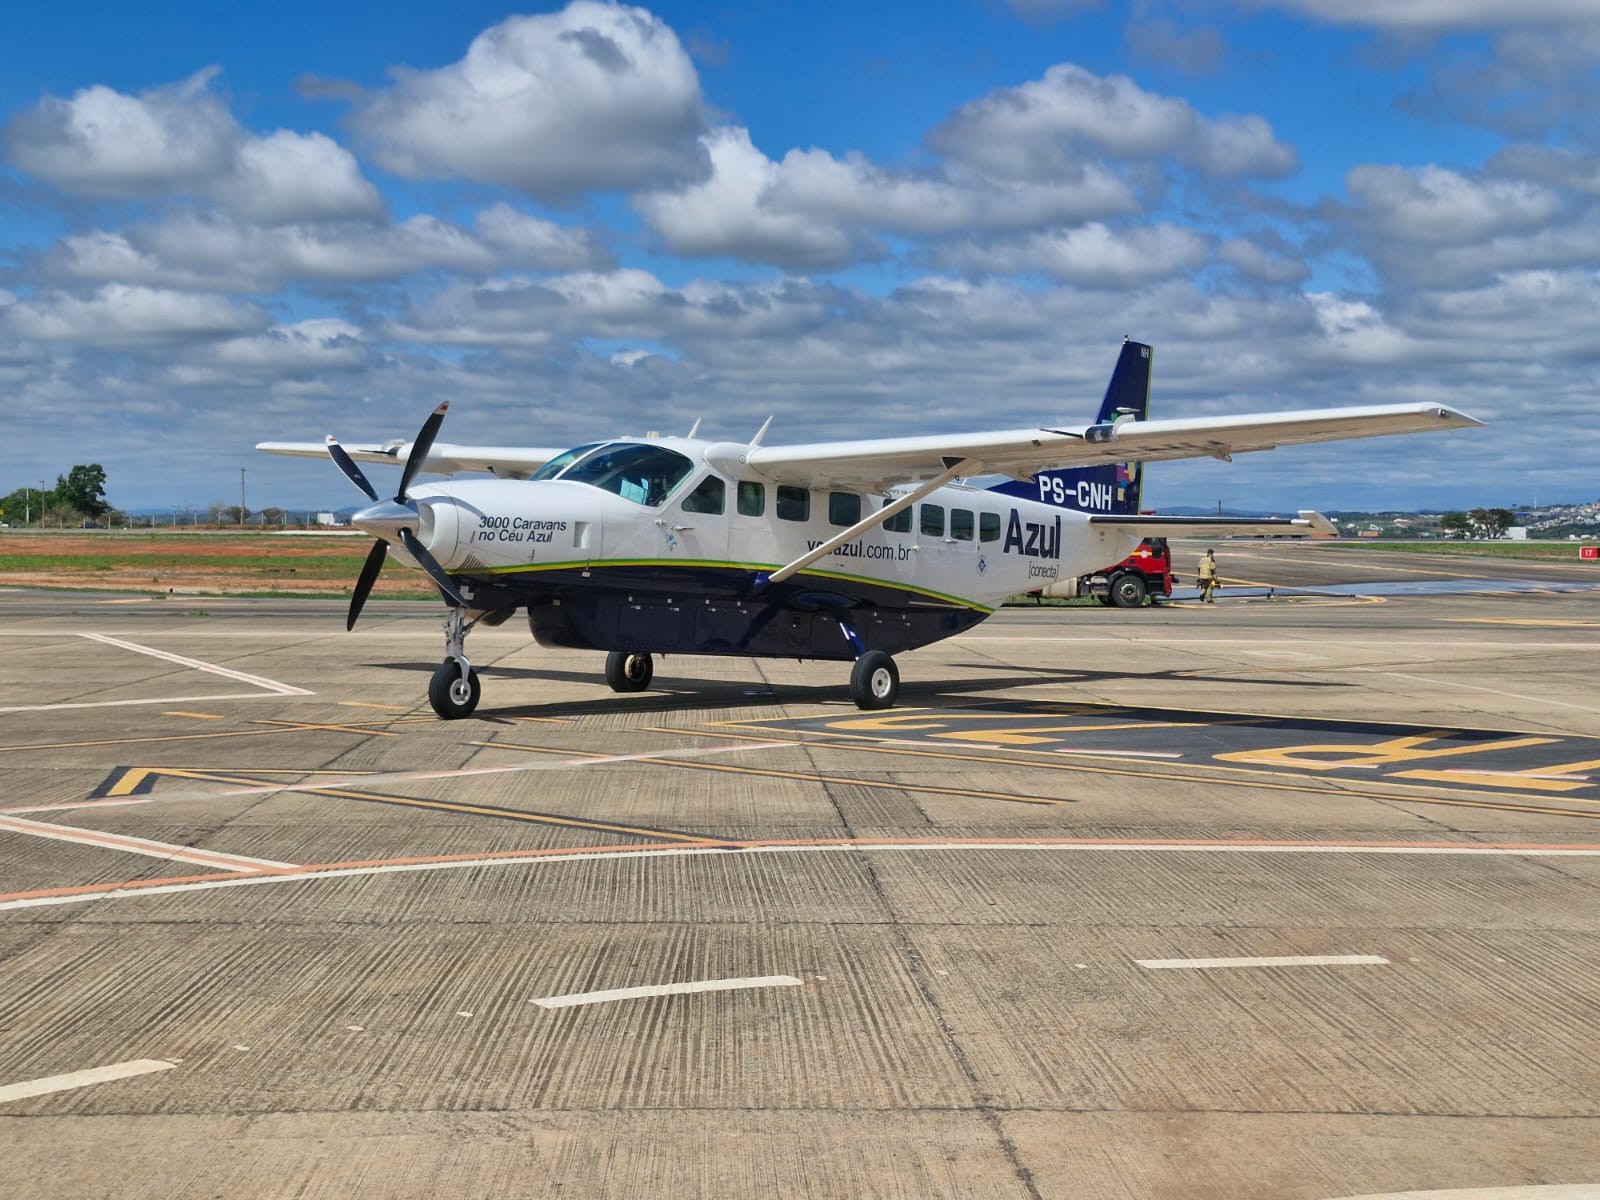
564,460
642,473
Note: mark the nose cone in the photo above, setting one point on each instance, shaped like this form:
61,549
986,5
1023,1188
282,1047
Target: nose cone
386,519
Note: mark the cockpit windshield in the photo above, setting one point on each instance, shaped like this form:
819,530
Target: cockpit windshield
635,471
564,460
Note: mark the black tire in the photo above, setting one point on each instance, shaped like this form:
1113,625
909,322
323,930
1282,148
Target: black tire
1127,591
451,697
629,672
874,681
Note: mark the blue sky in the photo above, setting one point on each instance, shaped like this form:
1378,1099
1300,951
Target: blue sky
221,224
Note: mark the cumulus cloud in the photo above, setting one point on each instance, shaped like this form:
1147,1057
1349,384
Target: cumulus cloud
1434,15
214,252
729,214
529,241
813,210
595,97
1261,264
1043,129
104,143
121,316
288,176
181,139
1091,256
1436,205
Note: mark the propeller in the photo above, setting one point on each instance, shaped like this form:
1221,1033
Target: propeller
399,515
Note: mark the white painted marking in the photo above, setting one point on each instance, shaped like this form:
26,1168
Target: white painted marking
1547,1191
268,686
666,989
209,697
137,845
304,875
78,1079
1123,753
1292,960
271,685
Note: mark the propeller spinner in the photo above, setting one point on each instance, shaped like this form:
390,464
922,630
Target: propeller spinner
395,519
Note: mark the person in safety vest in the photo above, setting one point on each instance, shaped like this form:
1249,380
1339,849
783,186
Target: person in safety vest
1208,576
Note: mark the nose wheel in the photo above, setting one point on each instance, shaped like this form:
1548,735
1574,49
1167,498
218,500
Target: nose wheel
452,692
454,689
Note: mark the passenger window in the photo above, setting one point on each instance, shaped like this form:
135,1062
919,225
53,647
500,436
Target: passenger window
988,527
706,498
900,522
933,520
752,498
794,504
961,524
844,508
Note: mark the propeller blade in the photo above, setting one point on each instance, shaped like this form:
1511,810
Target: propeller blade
364,582
419,449
430,564
348,465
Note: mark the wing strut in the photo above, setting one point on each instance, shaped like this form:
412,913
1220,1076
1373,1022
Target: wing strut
954,469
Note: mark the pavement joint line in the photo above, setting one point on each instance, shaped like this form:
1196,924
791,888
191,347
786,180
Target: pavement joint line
1281,960
1472,687
647,991
85,1078
662,759
311,872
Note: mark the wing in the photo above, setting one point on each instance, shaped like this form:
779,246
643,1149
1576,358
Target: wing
508,462
1307,525
1021,453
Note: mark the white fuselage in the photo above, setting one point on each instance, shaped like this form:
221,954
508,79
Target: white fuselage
959,544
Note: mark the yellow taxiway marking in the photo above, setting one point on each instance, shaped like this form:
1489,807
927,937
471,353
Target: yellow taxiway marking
802,776
1541,622
1235,776
364,704
197,716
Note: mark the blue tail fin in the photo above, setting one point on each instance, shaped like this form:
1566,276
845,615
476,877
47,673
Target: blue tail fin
1113,487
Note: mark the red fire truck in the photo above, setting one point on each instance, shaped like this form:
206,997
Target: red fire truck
1145,572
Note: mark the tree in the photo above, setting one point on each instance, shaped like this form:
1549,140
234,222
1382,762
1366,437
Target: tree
84,488
272,516
1456,524
1500,520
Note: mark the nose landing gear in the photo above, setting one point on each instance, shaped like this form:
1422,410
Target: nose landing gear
454,690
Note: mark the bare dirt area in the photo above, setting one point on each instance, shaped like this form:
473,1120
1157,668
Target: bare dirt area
201,562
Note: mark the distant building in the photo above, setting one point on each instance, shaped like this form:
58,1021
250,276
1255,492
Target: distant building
328,518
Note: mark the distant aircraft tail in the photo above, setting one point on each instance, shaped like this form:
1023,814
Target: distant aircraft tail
1113,487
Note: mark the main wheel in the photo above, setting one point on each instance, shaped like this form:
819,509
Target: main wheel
451,695
1127,591
628,672
874,681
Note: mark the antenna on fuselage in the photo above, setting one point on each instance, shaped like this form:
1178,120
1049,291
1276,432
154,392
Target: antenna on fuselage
762,432
695,428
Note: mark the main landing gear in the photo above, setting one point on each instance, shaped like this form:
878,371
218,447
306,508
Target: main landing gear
454,689
874,681
629,672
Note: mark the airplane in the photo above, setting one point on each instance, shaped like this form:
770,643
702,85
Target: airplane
853,551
